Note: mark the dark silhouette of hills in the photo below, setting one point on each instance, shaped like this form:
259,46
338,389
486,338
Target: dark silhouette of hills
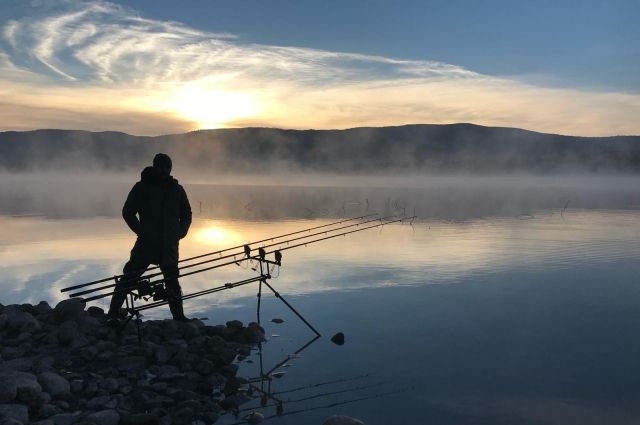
409,148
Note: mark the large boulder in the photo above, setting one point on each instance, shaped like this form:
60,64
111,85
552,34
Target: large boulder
18,412
69,309
54,384
26,386
104,417
19,320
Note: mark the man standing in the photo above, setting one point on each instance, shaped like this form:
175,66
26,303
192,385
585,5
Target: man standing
158,212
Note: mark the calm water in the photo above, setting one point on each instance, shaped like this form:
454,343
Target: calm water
528,317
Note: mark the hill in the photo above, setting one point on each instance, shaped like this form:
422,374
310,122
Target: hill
414,148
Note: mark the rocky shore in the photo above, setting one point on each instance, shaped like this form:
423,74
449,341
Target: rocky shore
63,366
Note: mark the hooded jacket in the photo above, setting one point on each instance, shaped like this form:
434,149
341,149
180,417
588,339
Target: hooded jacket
158,212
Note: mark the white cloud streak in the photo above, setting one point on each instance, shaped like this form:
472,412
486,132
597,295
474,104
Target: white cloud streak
95,60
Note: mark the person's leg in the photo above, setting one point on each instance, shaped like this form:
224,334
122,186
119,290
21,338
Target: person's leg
174,292
134,268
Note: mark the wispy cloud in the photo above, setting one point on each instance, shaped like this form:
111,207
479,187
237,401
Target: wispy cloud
86,64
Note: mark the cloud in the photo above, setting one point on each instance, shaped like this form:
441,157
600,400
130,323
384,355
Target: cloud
90,64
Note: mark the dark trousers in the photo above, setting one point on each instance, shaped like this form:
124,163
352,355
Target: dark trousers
134,268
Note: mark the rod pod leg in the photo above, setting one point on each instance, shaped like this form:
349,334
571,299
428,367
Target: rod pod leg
277,294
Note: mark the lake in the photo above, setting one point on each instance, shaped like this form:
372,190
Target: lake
506,301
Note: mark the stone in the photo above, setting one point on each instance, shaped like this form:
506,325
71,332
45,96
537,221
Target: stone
24,364
104,417
65,418
43,307
131,363
19,320
48,410
8,390
95,311
101,402
109,384
11,421
69,309
142,419
254,418
27,386
76,385
54,384
338,338
43,422
254,333
67,332
183,416
17,412
342,420
235,324
162,355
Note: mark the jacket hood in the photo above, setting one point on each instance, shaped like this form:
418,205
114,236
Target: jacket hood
150,176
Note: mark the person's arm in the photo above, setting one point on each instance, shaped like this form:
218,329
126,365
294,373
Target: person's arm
131,208
185,214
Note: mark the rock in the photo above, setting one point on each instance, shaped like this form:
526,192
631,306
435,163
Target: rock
54,384
8,390
142,419
254,333
104,417
254,418
183,416
17,412
102,402
69,309
3,320
43,307
67,332
76,385
109,384
26,385
43,422
62,404
342,420
162,355
65,418
189,330
95,311
19,320
338,338
48,410
11,421
234,324
24,364
131,363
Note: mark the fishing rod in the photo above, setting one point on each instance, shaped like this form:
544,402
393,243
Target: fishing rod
260,257
120,276
246,251
145,288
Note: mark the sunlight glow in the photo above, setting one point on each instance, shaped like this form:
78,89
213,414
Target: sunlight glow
216,235
211,107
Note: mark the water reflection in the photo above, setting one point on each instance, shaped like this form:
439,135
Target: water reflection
488,320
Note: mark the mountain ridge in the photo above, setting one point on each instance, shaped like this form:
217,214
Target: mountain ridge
411,147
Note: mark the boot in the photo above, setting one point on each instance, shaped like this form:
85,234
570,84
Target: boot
175,306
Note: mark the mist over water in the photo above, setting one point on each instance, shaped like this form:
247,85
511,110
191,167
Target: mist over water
281,196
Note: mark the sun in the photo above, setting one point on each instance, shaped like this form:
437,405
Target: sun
210,107
216,235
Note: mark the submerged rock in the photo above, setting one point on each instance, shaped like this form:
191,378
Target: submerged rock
338,338
342,420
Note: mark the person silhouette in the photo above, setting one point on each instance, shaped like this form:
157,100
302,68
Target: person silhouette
157,210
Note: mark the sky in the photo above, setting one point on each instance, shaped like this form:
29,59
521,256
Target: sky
150,67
